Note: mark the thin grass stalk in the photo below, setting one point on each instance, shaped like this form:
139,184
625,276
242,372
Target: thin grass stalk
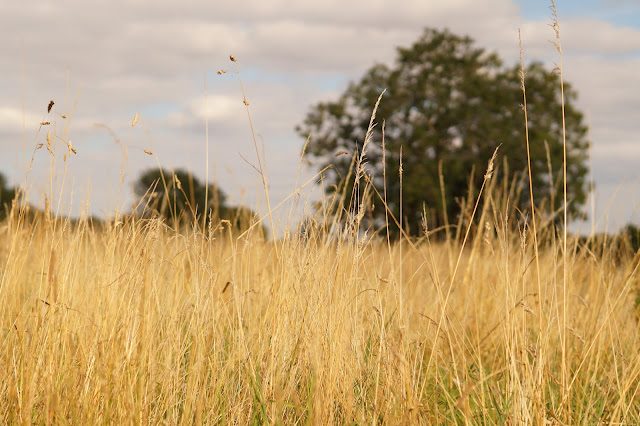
556,28
205,208
261,169
540,365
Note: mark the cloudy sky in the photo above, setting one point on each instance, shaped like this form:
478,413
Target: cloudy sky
104,61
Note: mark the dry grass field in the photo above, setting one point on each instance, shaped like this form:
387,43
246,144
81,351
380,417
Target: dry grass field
497,321
136,323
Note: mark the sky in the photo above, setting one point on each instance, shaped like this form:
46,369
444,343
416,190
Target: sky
103,62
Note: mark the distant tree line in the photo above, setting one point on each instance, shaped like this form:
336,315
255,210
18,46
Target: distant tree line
178,197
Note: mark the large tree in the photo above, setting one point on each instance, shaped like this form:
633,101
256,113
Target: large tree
450,101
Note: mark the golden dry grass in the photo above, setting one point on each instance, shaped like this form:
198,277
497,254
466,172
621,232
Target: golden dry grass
135,323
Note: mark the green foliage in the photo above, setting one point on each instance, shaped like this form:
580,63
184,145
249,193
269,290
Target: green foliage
180,197
178,194
6,197
449,102
632,233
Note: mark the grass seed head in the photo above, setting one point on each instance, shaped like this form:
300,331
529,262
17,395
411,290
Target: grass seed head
49,141
489,172
71,148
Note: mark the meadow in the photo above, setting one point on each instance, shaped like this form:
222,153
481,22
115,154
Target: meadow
494,319
135,322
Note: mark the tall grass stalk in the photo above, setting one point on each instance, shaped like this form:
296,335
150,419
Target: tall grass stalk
539,367
556,28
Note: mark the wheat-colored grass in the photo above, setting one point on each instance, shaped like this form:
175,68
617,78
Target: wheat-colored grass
492,320
135,323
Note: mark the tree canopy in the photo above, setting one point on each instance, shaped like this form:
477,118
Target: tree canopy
6,196
179,196
448,101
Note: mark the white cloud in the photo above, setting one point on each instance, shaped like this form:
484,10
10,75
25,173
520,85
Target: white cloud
590,35
215,108
11,119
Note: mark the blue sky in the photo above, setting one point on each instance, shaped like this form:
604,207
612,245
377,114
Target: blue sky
119,57
618,12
